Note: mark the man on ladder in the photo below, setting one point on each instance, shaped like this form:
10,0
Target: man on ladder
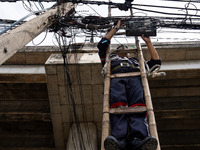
128,131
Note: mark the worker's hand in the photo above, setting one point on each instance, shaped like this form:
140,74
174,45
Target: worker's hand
146,39
120,24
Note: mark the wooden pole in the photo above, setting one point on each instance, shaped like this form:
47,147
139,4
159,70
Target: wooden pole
106,105
150,113
109,9
17,38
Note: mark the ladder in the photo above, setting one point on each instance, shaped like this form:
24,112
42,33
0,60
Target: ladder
130,110
148,108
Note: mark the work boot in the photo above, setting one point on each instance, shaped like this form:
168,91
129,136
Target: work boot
111,143
149,143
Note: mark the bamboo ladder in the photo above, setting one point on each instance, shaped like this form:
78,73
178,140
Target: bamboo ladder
149,106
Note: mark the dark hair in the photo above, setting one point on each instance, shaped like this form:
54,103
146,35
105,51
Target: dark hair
122,46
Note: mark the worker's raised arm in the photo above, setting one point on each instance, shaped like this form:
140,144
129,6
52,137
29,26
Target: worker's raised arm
112,32
151,48
105,42
155,59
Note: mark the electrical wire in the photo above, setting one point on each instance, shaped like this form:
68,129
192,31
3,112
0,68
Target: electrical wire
71,96
64,49
41,40
193,1
81,95
167,7
165,13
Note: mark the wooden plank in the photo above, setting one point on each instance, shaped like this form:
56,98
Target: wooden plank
26,127
171,103
22,78
28,31
178,114
128,110
15,91
178,124
28,116
179,74
174,83
26,140
24,86
181,147
21,148
175,92
179,137
121,75
37,106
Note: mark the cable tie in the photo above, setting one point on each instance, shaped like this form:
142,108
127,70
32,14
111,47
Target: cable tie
106,112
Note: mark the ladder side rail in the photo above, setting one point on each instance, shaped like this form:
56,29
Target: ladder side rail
106,104
149,106
109,9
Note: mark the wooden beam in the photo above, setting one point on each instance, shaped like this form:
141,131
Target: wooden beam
181,147
20,148
22,78
129,110
106,105
24,116
14,40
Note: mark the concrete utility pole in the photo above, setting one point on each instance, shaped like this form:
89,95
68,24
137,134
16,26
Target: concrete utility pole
17,38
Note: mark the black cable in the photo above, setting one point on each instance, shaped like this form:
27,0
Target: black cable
78,77
41,40
64,52
193,1
168,7
175,14
72,97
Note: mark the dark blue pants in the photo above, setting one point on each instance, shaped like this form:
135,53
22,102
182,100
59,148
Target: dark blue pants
127,92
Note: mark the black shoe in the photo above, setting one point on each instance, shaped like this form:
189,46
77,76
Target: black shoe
111,143
149,143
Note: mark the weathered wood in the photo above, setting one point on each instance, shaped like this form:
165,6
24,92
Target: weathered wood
128,110
26,140
181,147
106,105
147,95
121,75
175,124
26,127
22,78
169,83
37,106
14,40
175,92
178,114
176,103
23,91
15,116
21,148
179,137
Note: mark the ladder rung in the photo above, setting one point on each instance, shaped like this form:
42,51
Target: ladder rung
128,110
120,75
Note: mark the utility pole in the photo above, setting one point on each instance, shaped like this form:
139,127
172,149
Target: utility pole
17,38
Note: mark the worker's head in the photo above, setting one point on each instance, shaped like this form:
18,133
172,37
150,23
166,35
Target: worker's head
124,51
121,51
